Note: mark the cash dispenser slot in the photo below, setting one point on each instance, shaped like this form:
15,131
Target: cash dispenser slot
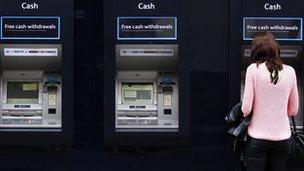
26,113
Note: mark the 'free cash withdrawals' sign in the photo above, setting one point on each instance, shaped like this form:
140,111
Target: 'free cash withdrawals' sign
288,29
30,27
146,28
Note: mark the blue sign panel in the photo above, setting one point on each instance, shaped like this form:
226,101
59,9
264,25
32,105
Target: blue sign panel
286,29
30,27
146,28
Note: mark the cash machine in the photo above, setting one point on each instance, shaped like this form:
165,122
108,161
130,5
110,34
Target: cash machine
146,87
30,86
36,66
145,75
282,19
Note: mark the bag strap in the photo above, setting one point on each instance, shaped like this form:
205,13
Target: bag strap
294,126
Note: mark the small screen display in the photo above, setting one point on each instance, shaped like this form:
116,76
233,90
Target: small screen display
137,92
22,92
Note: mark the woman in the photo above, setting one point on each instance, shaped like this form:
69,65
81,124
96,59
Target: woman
271,95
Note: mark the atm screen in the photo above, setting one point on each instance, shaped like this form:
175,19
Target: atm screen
137,92
22,92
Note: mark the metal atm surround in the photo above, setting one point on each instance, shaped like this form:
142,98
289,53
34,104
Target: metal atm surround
291,55
153,67
37,69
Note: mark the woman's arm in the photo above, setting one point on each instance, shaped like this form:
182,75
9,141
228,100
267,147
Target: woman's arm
248,92
293,101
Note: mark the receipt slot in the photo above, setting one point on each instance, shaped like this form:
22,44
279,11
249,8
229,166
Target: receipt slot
36,72
145,75
287,30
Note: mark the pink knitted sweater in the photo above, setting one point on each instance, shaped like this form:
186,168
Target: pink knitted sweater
271,104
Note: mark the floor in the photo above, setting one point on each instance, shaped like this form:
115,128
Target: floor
104,159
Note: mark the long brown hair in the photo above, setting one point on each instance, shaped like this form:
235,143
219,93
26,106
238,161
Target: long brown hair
266,49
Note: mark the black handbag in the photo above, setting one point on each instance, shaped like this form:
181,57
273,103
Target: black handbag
237,126
237,131
296,153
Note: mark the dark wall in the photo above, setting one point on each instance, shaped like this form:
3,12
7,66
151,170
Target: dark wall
208,37
88,46
206,41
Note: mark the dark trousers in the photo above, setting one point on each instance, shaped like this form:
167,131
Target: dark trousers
264,155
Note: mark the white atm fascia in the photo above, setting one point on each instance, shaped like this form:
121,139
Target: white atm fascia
31,69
